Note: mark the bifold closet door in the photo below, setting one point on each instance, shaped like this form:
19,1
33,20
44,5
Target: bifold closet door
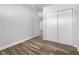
51,26
65,29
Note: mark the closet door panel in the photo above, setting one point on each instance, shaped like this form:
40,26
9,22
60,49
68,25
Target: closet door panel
65,22
51,26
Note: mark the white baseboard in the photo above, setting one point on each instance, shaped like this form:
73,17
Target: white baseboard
15,43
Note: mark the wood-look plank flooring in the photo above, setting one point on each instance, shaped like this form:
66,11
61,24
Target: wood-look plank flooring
37,46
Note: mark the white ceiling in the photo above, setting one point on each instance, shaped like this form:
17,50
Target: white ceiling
36,7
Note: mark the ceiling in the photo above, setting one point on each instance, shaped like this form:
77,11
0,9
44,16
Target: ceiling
36,7
40,6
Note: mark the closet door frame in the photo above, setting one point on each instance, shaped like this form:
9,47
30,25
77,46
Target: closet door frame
65,30
58,8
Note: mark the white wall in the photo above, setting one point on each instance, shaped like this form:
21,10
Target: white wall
36,24
41,20
41,24
16,23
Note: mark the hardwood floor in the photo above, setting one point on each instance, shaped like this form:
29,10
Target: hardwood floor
37,46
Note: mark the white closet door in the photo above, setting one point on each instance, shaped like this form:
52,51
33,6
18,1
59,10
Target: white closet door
51,26
65,22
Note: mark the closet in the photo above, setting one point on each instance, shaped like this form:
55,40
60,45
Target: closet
60,24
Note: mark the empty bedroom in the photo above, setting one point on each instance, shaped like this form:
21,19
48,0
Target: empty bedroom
39,29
